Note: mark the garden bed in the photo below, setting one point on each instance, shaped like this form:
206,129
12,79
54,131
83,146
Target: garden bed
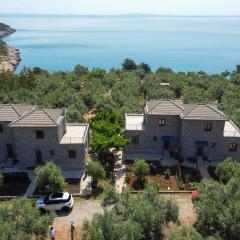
166,183
15,184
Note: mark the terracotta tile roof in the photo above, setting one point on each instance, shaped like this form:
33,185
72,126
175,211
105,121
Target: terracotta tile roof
164,107
38,117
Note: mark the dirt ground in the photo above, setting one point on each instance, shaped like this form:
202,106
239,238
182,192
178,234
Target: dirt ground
85,209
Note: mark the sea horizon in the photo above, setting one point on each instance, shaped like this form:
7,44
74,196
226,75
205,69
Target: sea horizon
182,43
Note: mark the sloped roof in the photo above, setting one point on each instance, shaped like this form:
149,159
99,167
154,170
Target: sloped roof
164,107
38,118
10,112
203,112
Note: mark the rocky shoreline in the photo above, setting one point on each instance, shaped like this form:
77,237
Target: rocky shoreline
12,59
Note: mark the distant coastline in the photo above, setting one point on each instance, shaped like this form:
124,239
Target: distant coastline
12,59
116,15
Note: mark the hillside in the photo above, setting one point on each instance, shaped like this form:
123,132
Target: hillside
5,30
9,56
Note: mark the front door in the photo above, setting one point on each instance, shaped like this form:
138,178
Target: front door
10,150
39,158
199,151
166,145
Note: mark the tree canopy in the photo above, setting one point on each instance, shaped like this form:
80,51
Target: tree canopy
19,220
107,131
49,178
227,169
133,217
96,171
218,209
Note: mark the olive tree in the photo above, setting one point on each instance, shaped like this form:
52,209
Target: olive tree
49,178
228,169
19,219
141,169
96,171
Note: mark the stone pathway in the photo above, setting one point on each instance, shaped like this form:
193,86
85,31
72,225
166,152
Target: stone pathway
32,186
85,186
204,171
119,172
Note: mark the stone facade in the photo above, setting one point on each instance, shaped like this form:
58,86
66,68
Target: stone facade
196,130
30,150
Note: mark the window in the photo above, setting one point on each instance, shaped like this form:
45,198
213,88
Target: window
52,152
213,145
1,129
162,122
233,147
72,154
208,127
135,139
40,134
155,138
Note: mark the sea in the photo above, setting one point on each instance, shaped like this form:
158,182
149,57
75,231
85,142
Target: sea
210,44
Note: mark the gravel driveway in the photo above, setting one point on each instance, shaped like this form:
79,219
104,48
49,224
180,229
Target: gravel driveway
83,209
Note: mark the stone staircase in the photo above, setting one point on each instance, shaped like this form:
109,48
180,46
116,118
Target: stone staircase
32,186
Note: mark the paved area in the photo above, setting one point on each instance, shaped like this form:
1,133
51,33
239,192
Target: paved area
83,209
119,172
187,214
32,186
85,186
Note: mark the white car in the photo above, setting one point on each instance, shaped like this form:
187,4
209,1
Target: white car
56,201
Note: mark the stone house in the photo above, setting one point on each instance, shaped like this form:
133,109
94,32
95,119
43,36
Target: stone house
200,132
30,136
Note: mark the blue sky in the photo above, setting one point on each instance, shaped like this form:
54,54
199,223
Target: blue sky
172,7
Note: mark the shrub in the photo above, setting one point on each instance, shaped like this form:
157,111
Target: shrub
141,169
228,169
96,171
167,173
186,233
128,179
181,185
152,185
49,178
110,195
19,219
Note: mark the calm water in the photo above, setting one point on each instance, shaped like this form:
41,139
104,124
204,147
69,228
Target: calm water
181,43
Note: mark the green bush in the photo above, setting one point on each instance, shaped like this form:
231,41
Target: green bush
152,185
110,195
141,169
49,178
19,219
227,169
186,233
96,171
167,173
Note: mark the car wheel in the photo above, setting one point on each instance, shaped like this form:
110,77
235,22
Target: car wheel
42,210
65,209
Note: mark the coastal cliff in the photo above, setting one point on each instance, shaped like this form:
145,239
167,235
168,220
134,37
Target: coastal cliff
9,56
